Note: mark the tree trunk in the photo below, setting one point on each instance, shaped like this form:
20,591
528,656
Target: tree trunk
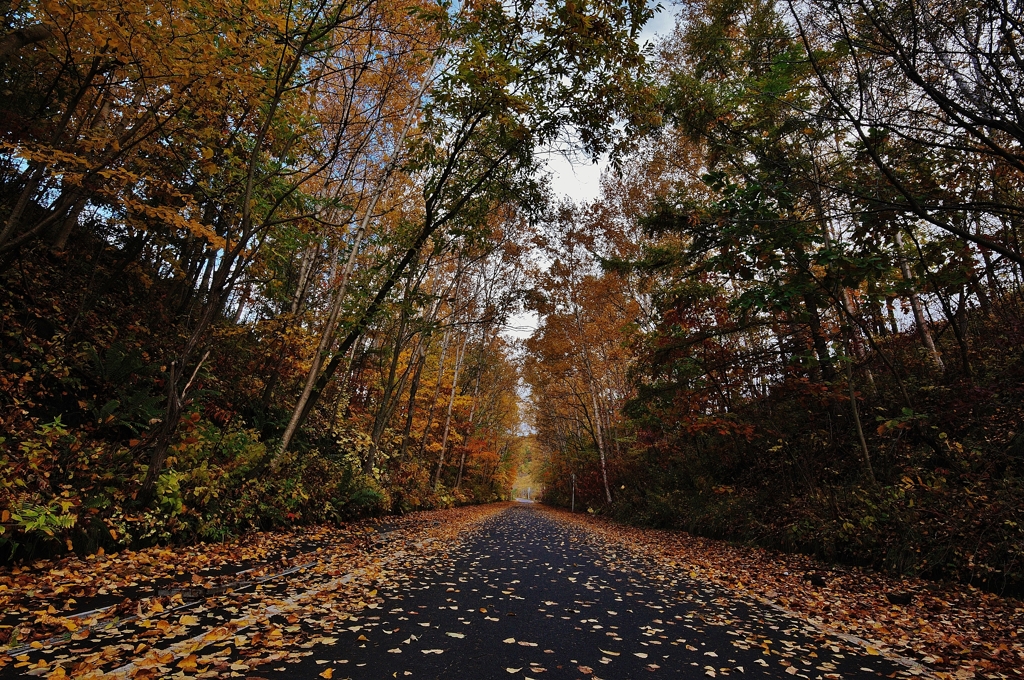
451,403
411,410
446,339
469,434
828,372
915,303
307,398
600,449
327,335
856,418
855,339
891,313
389,395
60,238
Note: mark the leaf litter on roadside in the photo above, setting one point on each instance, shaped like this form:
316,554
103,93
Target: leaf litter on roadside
956,631
276,621
348,591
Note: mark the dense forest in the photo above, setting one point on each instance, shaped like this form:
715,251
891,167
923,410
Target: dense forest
256,256
258,262
794,316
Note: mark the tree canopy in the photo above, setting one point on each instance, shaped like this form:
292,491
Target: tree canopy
259,262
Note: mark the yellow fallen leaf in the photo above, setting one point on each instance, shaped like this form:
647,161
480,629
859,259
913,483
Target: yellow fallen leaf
328,673
189,620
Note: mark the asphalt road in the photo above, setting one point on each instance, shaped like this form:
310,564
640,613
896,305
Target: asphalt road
524,597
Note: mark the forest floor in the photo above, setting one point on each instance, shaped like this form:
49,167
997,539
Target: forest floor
498,591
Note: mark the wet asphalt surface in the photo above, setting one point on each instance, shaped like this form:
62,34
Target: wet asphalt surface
526,597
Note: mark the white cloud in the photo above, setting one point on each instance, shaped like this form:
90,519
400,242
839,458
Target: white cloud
579,180
521,325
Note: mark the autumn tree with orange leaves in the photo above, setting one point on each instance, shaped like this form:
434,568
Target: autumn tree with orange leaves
821,237
257,259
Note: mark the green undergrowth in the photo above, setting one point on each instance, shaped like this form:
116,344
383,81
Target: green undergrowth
82,389
219,482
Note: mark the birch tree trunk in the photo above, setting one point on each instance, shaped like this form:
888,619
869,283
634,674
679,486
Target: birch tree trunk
600,449
451,403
